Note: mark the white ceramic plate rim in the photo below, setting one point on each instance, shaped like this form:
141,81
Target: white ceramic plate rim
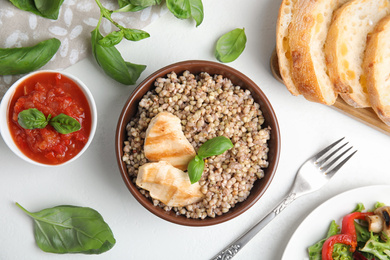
4,106
316,224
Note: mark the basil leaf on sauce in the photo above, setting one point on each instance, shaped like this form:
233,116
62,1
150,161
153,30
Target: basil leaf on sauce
215,146
71,229
27,59
195,169
230,45
65,124
32,118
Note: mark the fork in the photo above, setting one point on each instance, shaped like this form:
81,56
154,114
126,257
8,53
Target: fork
311,176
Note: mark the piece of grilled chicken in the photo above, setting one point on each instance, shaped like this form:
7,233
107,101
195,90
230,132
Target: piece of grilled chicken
165,141
168,184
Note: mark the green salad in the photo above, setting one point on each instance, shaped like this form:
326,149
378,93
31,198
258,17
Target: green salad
363,235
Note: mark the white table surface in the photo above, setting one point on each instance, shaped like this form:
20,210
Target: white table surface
94,179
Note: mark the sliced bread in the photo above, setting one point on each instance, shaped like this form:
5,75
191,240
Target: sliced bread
345,46
282,44
376,67
307,35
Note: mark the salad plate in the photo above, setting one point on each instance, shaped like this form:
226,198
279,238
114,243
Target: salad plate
315,226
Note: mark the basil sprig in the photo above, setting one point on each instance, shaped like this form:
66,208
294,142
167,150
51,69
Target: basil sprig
32,118
45,8
71,229
23,60
216,146
230,45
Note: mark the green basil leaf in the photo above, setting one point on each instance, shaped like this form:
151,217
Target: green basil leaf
145,3
111,61
179,8
135,70
111,39
32,118
125,7
45,8
197,11
230,45
26,5
134,34
216,146
65,124
195,169
71,229
23,60
49,8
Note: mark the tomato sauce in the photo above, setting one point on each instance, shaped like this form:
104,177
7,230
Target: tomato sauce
51,93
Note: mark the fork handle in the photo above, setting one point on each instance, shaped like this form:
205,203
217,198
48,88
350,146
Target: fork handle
231,250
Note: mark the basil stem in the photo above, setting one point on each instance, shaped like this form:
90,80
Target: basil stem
230,45
195,169
45,8
216,146
65,124
24,60
71,229
32,118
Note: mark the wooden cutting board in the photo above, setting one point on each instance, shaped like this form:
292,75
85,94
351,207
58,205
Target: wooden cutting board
364,115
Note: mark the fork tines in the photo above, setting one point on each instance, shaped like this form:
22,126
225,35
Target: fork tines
328,159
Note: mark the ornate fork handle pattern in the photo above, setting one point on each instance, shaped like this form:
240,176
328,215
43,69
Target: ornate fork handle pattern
287,200
228,253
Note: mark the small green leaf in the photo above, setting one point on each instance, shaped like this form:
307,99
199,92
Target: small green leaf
195,169
65,124
145,3
71,229
32,118
179,8
134,34
216,146
230,45
135,70
111,39
197,11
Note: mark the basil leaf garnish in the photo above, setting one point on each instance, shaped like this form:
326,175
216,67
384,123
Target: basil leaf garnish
179,8
215,146
195,169
71,229
23,60
45,8
197,11
32,118
134,34
65,124
111,39
230,45
49,8
112,63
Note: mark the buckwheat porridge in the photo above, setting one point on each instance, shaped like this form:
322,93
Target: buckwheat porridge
208,106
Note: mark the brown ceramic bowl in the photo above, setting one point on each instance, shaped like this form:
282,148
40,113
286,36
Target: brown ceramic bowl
237,78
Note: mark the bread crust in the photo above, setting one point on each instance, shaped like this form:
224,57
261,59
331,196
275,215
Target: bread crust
346,44
376,67
309,24
282,44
